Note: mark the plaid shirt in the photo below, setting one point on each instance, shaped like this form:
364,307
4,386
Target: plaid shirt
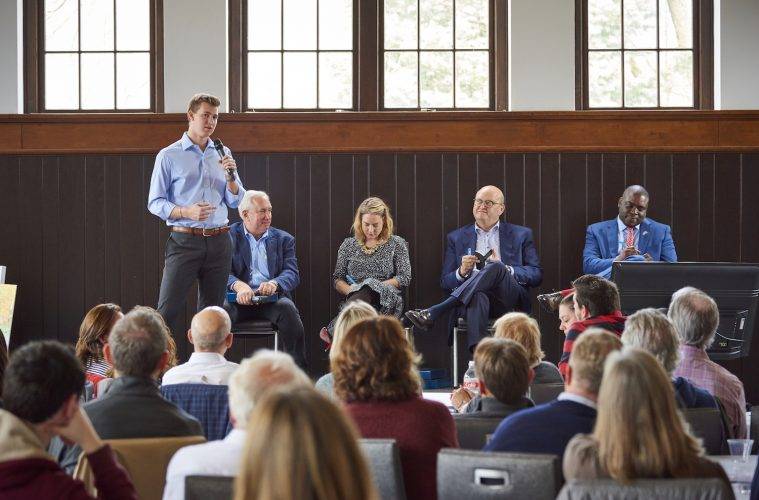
696,366
614,322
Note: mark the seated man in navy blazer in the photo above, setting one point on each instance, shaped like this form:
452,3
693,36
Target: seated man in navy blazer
264,264
501,285
630,236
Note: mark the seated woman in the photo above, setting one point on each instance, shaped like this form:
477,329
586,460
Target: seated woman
373,265
376,376
301,445
352,313
93,334
639,434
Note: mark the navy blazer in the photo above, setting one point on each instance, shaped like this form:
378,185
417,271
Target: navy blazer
280,258
601,244
517,250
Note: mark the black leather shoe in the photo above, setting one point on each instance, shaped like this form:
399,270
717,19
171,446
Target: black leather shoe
550,301
420,318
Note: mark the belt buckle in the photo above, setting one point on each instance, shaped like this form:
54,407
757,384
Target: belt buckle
211,233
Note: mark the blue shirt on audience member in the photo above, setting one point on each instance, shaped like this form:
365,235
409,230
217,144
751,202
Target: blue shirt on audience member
690,396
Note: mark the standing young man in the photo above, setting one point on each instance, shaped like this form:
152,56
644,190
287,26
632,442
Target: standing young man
191,187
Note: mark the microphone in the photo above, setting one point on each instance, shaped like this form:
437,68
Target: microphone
219,146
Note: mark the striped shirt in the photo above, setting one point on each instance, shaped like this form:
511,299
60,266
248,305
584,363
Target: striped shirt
614,322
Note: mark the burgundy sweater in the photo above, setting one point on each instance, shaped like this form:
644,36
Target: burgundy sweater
420,427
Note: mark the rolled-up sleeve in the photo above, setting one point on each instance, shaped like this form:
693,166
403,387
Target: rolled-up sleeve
160,182
233,200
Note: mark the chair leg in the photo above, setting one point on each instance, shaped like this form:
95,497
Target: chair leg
276,340
455,369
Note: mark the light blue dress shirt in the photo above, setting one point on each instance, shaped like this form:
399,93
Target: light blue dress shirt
259,266
622,235
184,175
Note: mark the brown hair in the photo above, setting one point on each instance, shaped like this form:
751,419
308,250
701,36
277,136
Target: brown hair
588,356
376,362
301,445
195,101
96,325
600,296
524,330
376,206
501,364
639,431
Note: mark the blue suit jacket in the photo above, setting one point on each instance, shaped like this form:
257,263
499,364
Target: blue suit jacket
280,258
601,243
517,250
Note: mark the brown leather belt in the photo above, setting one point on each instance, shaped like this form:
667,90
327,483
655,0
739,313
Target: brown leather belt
199,231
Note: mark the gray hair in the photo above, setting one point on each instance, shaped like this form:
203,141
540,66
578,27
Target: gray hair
257,376
137,342
247,200
652,331
209,335
695,316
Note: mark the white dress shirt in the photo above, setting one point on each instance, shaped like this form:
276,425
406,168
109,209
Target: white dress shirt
622,235
568,396
215,458
201,368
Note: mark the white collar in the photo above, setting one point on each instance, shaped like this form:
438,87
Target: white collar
250,235
568,396
493,229
206,357
621,225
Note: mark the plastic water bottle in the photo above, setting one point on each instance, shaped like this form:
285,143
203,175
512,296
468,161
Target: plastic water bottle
471,382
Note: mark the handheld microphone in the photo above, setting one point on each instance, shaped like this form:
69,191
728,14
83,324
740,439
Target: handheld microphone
219,146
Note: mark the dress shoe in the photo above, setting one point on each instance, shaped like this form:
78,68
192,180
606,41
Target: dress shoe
420,318
326,338
550,301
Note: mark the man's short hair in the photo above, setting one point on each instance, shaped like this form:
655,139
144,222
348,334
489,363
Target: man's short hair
195,101
588,356
256,376
598,295
652,331
40,377
695,316
502,365
206,339
247,200
137,342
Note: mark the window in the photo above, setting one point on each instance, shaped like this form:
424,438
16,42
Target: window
93,55
644,54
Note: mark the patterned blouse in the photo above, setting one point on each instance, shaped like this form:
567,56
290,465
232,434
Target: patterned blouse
390,260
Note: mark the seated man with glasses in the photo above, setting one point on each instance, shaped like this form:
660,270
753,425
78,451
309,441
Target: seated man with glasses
264,273
488,269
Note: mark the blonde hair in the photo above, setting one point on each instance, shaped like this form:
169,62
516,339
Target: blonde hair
376,206
588,356
652,331
640,433
302,446
524,330
353,312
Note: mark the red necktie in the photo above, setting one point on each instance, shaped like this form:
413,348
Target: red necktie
630,236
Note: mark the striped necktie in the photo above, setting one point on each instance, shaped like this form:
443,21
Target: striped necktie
629,236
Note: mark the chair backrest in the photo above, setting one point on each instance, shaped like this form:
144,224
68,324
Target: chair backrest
385,464
644,489
706,423
207,402
206,487
478,475
473,431
145,460
544,393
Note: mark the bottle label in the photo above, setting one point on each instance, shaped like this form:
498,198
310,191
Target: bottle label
472,384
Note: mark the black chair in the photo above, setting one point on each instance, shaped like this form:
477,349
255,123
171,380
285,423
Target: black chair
543,393
385,464
645,489
206,487
706,423
255,328
473,431
461,327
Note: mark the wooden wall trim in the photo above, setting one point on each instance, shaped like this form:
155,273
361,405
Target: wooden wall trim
584,131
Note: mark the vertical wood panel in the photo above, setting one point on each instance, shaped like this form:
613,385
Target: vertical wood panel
686,205
71,257
50,245
659,187
94,244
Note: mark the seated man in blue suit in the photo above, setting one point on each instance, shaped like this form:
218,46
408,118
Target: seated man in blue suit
630,236
501,285
264,264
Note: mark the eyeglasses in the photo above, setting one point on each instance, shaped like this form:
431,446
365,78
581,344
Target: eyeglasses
487,203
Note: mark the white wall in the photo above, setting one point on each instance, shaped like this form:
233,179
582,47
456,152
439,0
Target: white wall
10,57
195,51
738,53
541,55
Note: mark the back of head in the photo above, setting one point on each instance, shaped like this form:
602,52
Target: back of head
210,328
94,330
695,316
588,356
639,431
40,377
598,295
501,364
137,342
524,330
301,445
376,362
256,376
353,312
650,330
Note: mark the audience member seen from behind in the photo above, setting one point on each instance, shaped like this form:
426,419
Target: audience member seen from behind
210,334
133,406
301,445
376,376
596,302
549,427
352,313
41,393
652,331
93,335
639,432
251,381
696,316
